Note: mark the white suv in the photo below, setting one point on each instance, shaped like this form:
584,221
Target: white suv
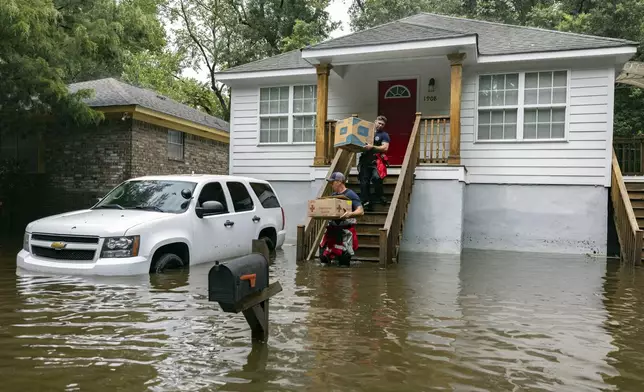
151,224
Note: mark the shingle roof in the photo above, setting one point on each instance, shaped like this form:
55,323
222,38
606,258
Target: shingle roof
111,92
288,60
493,39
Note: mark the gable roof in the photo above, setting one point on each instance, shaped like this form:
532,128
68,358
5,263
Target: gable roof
493,39
112,92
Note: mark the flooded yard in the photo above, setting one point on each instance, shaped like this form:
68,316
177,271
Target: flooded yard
487,321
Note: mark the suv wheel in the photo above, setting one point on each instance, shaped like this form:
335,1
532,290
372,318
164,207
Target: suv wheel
166,262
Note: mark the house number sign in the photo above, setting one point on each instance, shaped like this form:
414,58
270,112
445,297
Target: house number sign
430,98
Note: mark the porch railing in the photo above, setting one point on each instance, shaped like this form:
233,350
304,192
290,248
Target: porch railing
309,235
391,232
630,155
434,139
628,230
329,141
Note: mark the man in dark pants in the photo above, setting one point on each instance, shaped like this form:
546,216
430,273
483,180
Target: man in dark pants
370,159
340,239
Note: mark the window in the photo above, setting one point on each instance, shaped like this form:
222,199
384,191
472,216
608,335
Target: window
265,194
150,195
287,114
241,198
304,107
175,145
213,192
522,106
397,91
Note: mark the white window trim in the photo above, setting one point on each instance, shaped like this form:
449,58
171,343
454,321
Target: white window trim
521,108
182,144
401,97
290,115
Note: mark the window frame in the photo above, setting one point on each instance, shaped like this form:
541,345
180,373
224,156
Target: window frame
290,115
521,107
250,196
183,146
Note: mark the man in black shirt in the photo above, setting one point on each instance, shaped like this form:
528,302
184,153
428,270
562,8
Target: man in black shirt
372,165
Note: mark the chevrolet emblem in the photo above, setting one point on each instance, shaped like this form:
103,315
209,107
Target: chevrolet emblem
58,245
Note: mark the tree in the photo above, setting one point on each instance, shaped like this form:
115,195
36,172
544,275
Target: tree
220,34
46,44
162,73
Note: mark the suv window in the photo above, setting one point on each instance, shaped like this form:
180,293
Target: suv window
265,194
241,198
213,192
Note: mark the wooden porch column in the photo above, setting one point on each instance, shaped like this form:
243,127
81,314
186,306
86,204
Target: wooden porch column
321,113
456,61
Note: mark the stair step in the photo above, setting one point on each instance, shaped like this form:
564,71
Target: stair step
368,251
368,239
634,186
367,259
389,180
368,228
387,189
373,217
637,203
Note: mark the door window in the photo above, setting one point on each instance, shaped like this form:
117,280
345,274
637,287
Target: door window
265,194
241,198
213,192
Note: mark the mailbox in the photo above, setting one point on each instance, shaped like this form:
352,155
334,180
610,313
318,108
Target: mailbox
231,282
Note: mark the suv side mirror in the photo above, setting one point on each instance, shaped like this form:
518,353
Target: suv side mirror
209,208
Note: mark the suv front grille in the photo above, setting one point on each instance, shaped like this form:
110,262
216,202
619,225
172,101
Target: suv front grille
64,238
63,254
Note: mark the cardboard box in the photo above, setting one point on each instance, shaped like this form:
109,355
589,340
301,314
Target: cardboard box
353,133
330,207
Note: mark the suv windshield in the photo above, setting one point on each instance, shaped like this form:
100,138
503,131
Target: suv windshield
151,195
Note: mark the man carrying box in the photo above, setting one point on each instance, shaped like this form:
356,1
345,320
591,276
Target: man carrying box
373,166
340,240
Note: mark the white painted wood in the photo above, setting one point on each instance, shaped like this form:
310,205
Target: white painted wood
584,158
579,160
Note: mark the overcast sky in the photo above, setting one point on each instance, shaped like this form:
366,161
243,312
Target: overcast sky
339,11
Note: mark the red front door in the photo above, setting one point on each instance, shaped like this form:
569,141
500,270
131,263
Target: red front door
397,102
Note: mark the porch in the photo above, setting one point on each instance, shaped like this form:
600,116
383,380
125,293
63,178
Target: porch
399,90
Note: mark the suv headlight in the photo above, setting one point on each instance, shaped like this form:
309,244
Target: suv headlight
25,242
116,247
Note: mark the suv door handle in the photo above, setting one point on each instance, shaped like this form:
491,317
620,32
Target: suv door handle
256,219
229,223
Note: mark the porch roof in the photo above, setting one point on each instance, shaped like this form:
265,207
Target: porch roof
491,39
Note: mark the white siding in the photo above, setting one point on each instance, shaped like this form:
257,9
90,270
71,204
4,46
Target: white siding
582,159
274,163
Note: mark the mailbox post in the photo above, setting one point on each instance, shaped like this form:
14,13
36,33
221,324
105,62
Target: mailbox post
241,285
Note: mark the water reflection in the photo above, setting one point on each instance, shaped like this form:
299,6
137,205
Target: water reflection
492,321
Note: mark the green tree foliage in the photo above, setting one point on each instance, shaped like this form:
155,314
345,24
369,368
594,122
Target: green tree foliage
220,34
46,44
162,73
616,19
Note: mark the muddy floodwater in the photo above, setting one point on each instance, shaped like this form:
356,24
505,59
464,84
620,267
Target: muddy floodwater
485,321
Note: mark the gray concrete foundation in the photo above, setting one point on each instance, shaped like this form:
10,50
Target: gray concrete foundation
536,218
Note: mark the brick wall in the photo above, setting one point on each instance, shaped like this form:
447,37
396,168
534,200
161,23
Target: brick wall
150,153
85,163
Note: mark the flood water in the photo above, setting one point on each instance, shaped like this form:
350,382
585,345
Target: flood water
487,321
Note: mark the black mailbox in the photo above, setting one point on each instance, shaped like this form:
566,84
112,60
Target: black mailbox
231,282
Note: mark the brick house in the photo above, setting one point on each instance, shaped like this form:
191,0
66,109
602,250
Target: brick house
143,133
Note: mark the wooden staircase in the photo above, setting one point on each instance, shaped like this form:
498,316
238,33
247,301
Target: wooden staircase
370,224
628,207
380,231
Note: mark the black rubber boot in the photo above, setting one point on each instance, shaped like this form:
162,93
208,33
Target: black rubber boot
344,260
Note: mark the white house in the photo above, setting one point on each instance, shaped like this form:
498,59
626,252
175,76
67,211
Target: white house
533,110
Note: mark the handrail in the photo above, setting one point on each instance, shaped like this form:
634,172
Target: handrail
630,154
435,139
391,231
329,141
628,231
310,234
